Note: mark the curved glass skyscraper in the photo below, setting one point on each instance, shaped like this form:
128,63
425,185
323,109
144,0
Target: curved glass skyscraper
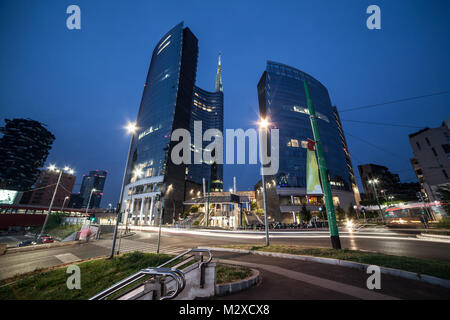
207,107
166,105
282,100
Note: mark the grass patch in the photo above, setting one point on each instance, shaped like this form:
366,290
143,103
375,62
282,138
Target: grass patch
444,223
435,268
96,275
64,231
227,273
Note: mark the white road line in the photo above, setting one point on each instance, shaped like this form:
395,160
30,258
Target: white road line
67,257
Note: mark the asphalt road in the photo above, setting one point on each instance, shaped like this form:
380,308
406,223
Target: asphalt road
381,240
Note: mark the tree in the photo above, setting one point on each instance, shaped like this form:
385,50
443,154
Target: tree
444,196
253,206
305,214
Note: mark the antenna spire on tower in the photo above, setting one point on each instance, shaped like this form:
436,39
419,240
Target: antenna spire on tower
219,86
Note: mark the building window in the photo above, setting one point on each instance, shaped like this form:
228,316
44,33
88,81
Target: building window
428,141
434,152
418,145
293,143
446,148
445,174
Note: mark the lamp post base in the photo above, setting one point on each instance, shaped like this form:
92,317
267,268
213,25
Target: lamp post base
335,242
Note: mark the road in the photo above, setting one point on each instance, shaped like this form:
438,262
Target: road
176,241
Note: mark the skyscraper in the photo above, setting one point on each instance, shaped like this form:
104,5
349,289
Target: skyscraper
95,180
282,100
207,107
165,106
24,148
170,101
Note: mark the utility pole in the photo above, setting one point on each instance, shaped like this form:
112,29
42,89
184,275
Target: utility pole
51,202
264,127
334,233
131,129
373,182
207,207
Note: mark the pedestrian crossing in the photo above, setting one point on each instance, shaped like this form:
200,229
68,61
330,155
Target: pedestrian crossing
126,245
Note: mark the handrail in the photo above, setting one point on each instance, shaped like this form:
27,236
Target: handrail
176,274
186,252
179,278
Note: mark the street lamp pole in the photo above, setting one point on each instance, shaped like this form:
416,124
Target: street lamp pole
373,182
64,202
263,125
334,232
131,129
53,168
89,202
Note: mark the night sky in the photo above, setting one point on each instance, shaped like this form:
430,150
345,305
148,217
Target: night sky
86,84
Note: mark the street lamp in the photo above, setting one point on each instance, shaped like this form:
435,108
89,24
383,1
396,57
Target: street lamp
131,129
89,201
64,202
263,127
373,182
163,195
53,168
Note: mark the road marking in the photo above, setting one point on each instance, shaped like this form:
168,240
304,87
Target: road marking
340,287
67,257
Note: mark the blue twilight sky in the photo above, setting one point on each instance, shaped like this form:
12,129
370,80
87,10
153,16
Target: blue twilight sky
85,84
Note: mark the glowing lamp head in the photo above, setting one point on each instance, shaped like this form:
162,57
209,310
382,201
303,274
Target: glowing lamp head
131,127
263,123
52,167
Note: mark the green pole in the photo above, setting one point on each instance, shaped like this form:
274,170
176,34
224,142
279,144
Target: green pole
378,201
207,208
334,233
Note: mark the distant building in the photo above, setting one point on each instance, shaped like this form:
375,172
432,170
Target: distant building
76,201
45,187
95,180
431,162
24,148
282,100
386,179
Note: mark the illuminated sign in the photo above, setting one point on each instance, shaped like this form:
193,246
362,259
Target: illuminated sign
7,196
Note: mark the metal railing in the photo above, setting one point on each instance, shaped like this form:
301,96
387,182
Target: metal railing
176,274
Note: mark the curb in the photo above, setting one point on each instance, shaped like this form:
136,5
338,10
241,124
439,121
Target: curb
343,263
41,246
434,237
237,286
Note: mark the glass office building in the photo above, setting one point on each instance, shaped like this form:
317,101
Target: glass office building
207,107
170,101
165,106
282,100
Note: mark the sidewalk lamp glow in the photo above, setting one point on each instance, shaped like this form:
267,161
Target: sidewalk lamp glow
263,123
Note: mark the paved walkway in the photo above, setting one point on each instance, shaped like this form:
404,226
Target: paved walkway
287,279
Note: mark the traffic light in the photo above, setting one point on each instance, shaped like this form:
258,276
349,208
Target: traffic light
91,217
158,197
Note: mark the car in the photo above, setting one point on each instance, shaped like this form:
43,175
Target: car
25,243
47,239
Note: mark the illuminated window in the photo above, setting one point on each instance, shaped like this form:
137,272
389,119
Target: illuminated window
293,143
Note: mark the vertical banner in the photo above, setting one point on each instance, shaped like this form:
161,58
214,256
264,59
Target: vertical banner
312,174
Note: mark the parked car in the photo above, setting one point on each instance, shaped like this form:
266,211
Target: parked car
47,240
25,243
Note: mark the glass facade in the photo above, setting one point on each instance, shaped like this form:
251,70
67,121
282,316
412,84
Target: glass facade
207,107
282,100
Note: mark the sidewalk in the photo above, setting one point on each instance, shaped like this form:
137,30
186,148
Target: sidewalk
286,279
